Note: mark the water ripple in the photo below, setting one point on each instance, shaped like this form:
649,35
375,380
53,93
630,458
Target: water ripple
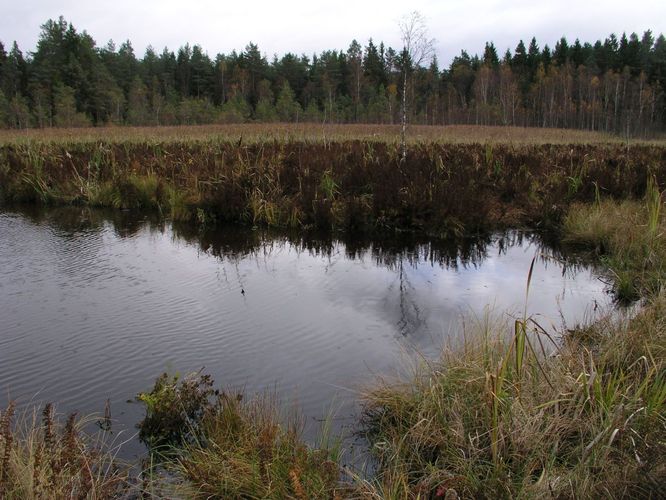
92,309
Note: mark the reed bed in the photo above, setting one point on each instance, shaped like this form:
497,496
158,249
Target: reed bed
350,185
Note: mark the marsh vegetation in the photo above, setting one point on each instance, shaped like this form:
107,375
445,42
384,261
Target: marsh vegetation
510,409
329,182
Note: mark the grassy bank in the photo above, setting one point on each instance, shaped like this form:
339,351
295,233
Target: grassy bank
498,417
43,458
342,184
628,237
225,445
203,443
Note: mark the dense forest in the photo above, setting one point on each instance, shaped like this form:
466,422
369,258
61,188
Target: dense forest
616,85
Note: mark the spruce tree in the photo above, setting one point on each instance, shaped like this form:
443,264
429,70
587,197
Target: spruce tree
287,108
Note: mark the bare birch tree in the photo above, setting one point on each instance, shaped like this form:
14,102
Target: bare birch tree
416,48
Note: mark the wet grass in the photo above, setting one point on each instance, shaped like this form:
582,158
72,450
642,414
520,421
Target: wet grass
628,237
203,443
250,452
224,445
504,416
586,423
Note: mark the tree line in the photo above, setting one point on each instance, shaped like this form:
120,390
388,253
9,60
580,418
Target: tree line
616,85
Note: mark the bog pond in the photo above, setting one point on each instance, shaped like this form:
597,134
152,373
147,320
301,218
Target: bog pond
94,305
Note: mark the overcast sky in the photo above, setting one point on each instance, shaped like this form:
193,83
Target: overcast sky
308,26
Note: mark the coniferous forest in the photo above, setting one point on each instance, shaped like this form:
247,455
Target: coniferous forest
617,85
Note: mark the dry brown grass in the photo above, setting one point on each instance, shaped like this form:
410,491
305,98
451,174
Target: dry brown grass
41,458
316,132
344,184
587,423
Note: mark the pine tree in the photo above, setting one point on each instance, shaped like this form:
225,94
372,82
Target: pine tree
236,110
14,73
3,63
546,56
201,72
312,113
256,66
265,110
533,57
519,60
126,67
373,66
355,61
490,57
561,53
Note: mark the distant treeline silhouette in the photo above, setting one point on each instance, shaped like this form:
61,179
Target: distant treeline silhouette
615,85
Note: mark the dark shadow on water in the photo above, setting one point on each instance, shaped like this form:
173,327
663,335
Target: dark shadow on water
233,242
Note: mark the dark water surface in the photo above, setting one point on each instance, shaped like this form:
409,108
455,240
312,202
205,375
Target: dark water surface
95,305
